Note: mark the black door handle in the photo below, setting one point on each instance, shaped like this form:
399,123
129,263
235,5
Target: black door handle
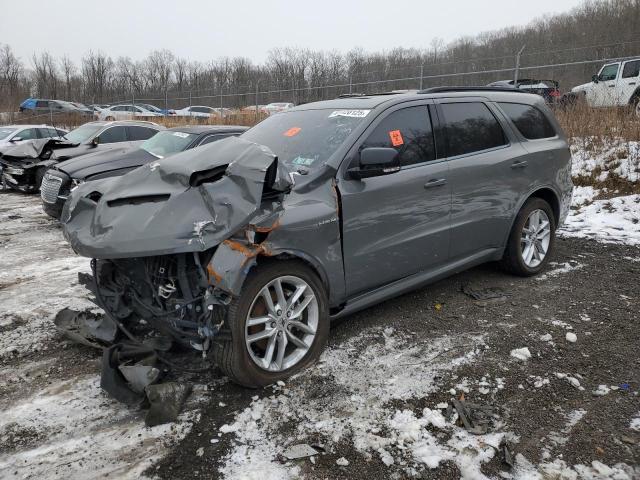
436,182
520,164
632,83
611,86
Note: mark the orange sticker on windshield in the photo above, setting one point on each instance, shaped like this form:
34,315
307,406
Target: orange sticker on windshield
396,138
292,132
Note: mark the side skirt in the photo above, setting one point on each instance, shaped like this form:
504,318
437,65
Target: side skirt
415,281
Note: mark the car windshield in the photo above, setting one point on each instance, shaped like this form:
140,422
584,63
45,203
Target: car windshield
84,133
166,143
5,132
306,138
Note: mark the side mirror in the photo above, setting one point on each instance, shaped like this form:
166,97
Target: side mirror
15,139
595,79
95,142
376,161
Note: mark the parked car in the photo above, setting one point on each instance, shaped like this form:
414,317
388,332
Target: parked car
277,107
617,84
14,134
252,109
37,105
11,135
248,247
203,111
62,177
126,112
547,89
153,108
24,165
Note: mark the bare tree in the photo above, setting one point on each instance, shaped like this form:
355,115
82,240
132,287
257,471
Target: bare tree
68,73
97,69
46,75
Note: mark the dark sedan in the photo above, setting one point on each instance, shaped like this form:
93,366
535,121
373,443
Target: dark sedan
59,180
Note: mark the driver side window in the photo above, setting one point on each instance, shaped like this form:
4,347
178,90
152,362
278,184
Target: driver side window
409,132
113,135
609,72
28,134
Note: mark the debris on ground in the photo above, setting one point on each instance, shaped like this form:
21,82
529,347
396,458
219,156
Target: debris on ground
571,337
474,417
85,327
130,371
301,450
343,462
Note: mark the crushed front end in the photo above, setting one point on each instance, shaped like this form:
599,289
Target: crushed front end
153,236
22,166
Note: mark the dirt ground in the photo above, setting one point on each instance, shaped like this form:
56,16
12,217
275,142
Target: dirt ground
566,412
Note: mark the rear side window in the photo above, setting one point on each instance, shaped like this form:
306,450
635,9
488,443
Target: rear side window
42,104
530,121
409,132
631,69
471,127
47,132
113,135
140,133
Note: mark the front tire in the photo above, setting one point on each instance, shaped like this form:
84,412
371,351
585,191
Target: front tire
278,325
532,239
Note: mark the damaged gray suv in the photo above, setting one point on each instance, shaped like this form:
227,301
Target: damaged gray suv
247,248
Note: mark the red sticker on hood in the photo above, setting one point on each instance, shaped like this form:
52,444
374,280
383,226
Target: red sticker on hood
293,131
396,138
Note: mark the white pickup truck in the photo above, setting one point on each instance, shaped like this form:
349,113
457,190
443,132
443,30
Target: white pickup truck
616,84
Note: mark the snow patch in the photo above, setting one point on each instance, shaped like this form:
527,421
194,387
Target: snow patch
359,408
521,353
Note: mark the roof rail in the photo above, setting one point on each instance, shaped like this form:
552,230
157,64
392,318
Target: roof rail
375,94
470,89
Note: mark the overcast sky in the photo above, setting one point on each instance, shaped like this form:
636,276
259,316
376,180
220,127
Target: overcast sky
205,30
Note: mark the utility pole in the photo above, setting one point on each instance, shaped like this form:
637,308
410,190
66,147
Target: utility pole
421,75
515,76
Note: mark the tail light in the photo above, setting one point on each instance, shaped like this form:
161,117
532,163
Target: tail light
555,93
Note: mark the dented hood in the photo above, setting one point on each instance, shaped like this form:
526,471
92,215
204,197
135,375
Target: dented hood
32,149
186,203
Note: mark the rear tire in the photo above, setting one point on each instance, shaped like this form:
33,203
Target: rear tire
239,359
517,259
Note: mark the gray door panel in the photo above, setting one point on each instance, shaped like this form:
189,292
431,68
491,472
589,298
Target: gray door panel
486,189
394,226
487,184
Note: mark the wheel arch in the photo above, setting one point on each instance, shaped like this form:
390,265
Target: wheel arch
545,193
280,255
232,262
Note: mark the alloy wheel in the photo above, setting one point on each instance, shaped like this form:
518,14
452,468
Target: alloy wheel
536,236
282,322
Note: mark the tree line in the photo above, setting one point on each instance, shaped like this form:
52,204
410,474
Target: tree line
592,31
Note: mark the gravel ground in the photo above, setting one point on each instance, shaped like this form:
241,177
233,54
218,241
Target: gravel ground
373,401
